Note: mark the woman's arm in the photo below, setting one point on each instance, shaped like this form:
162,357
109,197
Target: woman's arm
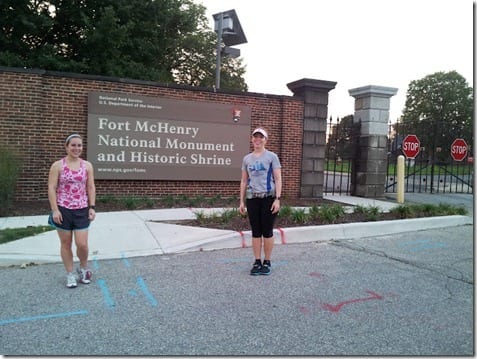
91,188
277,176
53,184
243,189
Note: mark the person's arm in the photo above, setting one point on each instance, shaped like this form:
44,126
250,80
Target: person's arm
277,176
243,190
91,188
52,186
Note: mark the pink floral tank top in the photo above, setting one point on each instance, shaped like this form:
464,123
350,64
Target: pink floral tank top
71,192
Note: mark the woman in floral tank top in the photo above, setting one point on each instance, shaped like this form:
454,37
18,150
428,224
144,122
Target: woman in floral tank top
72,195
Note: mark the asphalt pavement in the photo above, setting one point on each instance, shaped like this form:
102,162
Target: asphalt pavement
383,290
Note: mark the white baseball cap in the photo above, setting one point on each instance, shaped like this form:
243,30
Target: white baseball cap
260,131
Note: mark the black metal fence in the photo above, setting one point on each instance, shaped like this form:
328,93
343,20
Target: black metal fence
341,148
433,170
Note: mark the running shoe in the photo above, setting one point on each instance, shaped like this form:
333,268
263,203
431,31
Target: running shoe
71,280
257,266
266,268
85,275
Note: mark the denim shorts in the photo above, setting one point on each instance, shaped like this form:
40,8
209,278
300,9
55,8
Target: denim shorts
73,219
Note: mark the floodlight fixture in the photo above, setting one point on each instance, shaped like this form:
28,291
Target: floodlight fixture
231,52
228,23
229,30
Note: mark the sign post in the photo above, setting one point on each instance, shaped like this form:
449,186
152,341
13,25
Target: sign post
411,146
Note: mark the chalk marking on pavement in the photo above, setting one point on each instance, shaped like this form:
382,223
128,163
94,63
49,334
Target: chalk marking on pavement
336,308
316,275
107,297
146,291
95,263
234,260
422,244
46,316
428,246
125,260
304,310
279,263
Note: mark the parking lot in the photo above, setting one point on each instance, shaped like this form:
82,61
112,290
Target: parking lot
406,294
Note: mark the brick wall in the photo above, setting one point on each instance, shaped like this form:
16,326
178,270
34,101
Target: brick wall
38,109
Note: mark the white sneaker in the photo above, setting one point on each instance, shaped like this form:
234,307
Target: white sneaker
71,280
85,275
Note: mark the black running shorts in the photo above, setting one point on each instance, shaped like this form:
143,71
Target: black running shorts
261,217
73,219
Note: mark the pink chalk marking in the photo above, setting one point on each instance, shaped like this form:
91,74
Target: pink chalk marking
316,274
244,245
304,310
282,235
337,308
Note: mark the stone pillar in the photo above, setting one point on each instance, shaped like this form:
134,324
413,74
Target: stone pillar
314,93
372,109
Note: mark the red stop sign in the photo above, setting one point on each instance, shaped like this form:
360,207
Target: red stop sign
459,149
411,146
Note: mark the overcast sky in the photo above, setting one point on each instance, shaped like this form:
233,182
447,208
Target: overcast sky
352,42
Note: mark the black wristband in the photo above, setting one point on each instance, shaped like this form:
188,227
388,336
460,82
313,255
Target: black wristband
92,207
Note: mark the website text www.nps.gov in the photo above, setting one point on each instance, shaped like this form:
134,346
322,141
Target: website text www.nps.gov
122,170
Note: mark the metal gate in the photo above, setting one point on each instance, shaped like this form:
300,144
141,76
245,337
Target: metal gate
342,145
433,170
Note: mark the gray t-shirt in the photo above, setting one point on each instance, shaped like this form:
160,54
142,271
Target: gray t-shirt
260,171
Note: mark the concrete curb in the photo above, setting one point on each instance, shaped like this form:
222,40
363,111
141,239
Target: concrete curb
330,232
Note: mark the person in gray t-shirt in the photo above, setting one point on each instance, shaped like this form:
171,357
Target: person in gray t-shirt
260,191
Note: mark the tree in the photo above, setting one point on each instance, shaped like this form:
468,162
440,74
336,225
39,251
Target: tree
438,109
166,41
194,66
342,138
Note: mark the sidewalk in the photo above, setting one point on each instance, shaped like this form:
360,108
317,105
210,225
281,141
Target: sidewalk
137,233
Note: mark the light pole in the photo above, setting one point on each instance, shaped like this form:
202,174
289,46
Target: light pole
229,30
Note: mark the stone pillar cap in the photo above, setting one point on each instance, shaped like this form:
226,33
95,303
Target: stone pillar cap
370,90
311,84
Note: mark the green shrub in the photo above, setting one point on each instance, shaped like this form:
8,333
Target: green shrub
404,211
148,202
130,202
427,208
447,209
299,215
214,199
12,234
314,212
371,212
196,201
285,212
10,165
168,201
360,209
200,216
330,213
109,198
229,214
183,200
460,211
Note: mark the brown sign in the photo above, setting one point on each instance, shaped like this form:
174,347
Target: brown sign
138,137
